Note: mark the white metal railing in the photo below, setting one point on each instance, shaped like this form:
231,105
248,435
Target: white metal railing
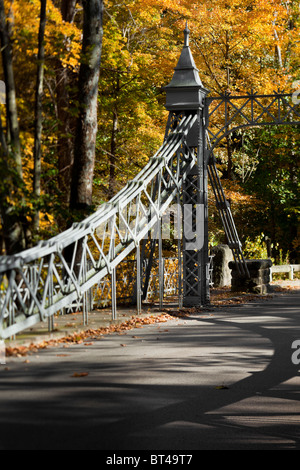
285,268
98,244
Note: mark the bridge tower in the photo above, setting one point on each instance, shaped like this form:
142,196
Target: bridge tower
185,95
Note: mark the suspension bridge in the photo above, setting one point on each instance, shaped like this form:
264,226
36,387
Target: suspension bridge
46,279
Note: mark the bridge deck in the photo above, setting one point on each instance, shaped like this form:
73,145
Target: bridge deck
71,327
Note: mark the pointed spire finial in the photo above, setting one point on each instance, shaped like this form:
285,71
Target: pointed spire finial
186,35
185,91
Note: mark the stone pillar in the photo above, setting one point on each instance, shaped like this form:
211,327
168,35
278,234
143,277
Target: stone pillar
221,272
259,280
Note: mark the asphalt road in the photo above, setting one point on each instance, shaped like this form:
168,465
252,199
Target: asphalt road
227,379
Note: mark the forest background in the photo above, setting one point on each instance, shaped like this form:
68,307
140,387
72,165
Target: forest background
52,50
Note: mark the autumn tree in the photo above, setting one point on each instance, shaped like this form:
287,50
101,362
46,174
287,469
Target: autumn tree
30,163
13,218
38,110
65,92
242,46
237,45
138,56
86,129
276,181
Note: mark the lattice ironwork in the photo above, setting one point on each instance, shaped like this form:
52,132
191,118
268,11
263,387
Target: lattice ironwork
227,113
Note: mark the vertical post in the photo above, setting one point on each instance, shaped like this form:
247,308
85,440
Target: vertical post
113,272
203,199
85,294
185,95
179,215
51,292
192,239
160,266
138,280
11,317
113,294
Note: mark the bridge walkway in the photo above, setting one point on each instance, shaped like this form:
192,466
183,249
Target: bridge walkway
72,327
219,380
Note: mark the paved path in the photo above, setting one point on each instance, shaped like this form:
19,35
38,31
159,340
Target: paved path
220,379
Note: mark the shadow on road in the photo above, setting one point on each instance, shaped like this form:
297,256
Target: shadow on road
219,380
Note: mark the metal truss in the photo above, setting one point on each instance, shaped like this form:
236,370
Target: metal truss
227,113
37,283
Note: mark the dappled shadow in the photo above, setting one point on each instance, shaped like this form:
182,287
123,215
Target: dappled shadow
221,380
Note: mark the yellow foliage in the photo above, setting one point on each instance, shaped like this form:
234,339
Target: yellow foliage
235,193
233,42
57,33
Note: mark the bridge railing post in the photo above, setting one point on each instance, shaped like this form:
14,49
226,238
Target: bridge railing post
138,279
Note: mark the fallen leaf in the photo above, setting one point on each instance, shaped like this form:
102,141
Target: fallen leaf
80,374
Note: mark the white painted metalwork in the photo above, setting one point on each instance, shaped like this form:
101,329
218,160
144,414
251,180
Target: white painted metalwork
41,281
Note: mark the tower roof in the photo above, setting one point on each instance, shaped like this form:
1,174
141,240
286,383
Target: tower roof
185,73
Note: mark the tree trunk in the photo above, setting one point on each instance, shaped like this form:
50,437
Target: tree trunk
85,139
38,110
65,143
11,104
14,223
